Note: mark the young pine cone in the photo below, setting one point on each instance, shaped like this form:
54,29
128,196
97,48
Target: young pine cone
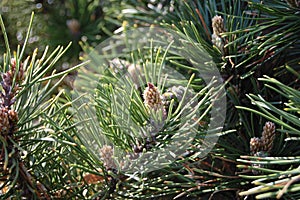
4,120
106,153
13,70
265,143
9,75
255,145
218,25
268,136
9,117
218,28
74,27
7,81
152,98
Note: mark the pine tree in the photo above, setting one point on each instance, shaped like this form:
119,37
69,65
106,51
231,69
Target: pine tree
104,145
